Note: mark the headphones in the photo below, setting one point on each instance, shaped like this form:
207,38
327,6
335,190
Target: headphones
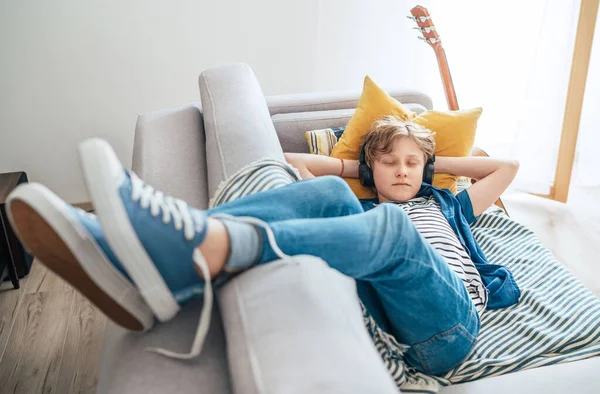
365,174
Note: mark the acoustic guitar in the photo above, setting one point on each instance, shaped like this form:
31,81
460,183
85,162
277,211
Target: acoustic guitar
430,35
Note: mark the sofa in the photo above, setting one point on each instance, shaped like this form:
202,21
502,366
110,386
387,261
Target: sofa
289,326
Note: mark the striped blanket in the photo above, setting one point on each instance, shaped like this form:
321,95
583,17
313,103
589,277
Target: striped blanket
262,175
556,320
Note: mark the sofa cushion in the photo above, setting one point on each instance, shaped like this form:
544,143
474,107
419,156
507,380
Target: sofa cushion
336,100
579,377
127,367
291,126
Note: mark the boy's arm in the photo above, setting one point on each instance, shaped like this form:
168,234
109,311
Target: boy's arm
311,166
493,177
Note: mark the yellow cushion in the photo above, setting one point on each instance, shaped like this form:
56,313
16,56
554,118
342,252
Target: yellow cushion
455,131
374,103
454,136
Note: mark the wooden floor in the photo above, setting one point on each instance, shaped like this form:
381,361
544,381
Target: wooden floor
51,337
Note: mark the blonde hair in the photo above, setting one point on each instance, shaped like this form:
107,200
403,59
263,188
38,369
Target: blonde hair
387,130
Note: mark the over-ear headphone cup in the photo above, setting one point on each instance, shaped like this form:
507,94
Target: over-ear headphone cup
365,175
428,172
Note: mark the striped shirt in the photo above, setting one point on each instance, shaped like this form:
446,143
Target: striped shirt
425,214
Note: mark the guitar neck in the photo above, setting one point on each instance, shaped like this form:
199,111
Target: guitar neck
446,78
429,34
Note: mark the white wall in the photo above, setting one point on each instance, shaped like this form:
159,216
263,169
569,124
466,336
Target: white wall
72,69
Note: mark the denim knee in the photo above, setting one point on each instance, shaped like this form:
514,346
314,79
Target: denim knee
447,349
338,192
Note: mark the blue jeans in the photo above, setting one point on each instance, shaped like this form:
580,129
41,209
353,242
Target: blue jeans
402,280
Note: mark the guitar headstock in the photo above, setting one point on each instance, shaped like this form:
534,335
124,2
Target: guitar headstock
425,26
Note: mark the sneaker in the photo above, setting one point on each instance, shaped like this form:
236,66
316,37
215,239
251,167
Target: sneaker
156,237
70,242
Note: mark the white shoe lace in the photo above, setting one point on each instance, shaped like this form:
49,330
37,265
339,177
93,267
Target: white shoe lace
203,323
171,208
177,210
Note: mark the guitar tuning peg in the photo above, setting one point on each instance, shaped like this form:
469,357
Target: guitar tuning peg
431,40
427,29
419,18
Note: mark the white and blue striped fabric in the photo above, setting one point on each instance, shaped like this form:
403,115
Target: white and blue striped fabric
261,175
556,320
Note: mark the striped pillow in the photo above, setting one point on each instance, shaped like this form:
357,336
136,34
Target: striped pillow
261,175
322,141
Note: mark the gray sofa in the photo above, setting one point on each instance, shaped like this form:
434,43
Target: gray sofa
285,327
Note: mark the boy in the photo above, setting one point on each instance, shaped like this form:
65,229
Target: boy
146,253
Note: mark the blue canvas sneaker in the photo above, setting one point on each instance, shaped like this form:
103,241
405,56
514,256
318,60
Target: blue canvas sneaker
70,242
155,236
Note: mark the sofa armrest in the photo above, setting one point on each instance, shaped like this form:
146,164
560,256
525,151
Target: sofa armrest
169,153
327,101
238,127
296,326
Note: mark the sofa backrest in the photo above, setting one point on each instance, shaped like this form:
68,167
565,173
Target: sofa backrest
294,115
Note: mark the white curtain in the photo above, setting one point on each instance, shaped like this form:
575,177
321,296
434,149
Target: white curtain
512,58
587,162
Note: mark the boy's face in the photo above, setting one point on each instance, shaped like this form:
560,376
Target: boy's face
398,175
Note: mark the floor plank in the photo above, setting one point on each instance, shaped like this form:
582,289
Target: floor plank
56,337
9,304
80,362
33,355
42,279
